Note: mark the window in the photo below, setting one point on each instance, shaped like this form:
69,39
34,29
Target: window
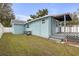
43,21
27,25
56,24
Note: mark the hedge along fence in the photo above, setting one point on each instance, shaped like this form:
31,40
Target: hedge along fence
1,30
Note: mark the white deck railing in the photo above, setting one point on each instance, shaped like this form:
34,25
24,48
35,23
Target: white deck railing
71,29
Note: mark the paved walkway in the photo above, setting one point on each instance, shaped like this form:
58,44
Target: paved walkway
75,45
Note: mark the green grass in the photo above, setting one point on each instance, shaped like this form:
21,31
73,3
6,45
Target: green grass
23,45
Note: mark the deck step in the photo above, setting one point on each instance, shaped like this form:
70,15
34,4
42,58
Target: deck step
58,37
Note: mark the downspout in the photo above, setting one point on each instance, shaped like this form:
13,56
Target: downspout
65,26
24,28
40,26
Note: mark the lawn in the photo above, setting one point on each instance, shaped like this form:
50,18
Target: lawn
22,45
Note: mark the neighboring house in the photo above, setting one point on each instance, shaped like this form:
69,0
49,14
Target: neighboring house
18,26
45,26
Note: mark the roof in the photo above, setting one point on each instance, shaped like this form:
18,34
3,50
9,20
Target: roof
18,22
39,18
59,17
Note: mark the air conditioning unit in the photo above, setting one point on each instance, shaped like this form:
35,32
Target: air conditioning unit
28,32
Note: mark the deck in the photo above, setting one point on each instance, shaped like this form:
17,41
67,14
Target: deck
63,35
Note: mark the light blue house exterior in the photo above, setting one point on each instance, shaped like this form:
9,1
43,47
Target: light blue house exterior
40,27
18,27
45,26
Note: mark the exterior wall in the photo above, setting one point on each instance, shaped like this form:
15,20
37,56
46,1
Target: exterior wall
54,26
17,28
38,28
45,27
58,28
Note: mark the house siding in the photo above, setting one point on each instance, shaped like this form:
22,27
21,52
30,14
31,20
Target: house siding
18,28
38,28
54,26
45,28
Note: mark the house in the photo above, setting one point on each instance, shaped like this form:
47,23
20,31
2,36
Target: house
45,26
18,27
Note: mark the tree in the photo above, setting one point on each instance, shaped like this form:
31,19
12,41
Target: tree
28,20
6,14
45,11
33,16
40,13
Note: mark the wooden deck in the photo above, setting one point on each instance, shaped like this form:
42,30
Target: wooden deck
63,35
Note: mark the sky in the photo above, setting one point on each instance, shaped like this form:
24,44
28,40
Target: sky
23,10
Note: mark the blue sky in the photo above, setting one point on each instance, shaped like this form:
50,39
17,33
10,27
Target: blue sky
23,10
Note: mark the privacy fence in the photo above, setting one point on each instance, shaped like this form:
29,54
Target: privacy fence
4,29
1,30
